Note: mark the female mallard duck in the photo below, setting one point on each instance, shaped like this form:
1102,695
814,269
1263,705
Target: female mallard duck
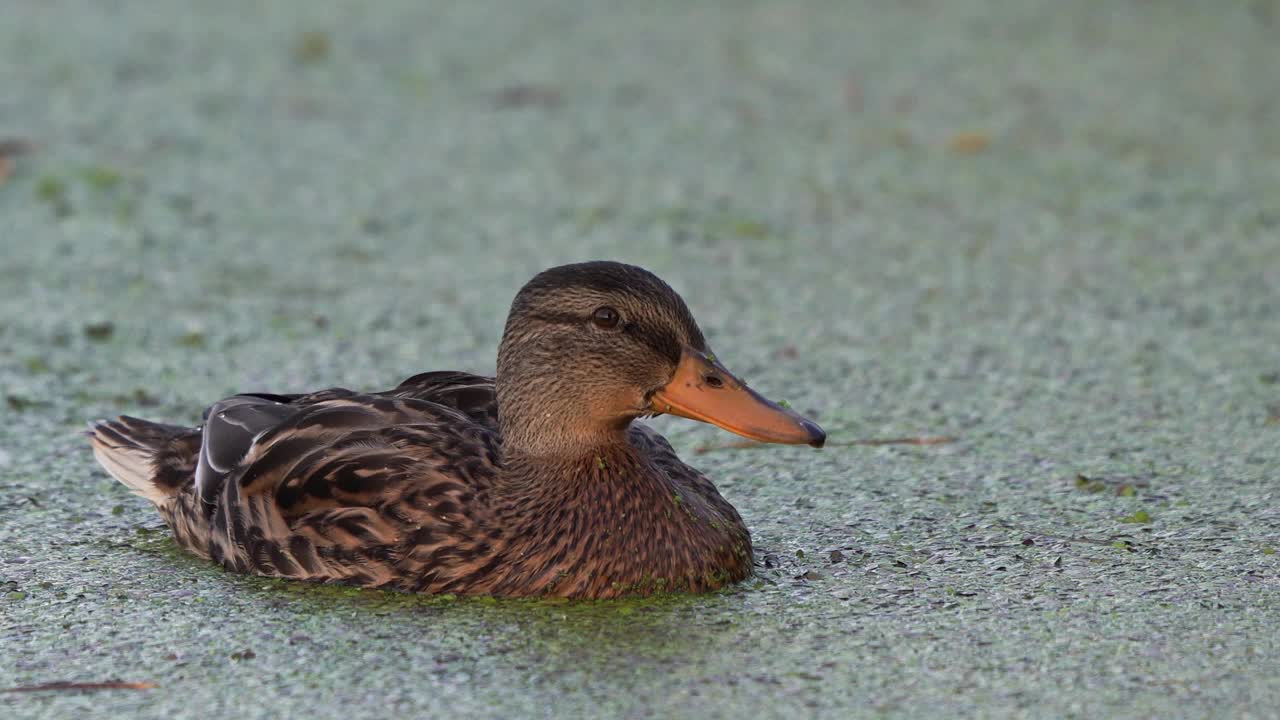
536,482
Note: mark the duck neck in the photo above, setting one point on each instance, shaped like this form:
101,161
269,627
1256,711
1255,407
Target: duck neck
557,425
568,468
544,436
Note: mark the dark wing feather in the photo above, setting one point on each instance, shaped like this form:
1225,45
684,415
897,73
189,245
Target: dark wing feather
371,489
230,428
471,395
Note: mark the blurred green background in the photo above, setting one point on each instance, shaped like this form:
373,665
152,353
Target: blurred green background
1049,230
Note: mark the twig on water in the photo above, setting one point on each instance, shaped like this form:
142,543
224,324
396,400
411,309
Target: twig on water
750,444
82,686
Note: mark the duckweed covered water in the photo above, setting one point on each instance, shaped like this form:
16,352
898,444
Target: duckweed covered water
1046,230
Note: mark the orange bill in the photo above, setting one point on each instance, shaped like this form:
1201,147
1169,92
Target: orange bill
702,389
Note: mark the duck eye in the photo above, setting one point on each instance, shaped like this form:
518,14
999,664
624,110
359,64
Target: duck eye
606,317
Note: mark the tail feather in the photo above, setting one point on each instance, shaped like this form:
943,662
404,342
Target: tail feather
151,459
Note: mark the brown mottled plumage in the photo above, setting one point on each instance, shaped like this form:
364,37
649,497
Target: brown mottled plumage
537,483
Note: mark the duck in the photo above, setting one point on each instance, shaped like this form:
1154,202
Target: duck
540,481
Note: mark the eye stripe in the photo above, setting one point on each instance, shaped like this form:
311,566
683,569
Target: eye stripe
557,318
658,338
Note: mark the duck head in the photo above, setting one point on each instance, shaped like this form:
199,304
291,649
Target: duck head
591,346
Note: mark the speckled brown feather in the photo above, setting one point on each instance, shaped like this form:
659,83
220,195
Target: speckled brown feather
412,498
429,488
